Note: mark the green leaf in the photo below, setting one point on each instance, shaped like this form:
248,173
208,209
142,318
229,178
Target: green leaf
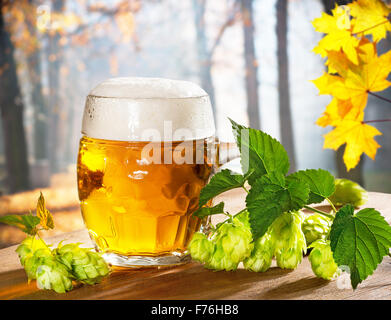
44,214
269,197
222,181
27,223
259,152
320,182
359,241
208,211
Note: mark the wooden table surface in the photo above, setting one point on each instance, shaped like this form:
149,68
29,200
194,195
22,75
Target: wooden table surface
193,281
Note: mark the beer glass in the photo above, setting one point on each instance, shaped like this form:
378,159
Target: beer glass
147,149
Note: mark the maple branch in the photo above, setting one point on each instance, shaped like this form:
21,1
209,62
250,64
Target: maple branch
370,28
380,120
379,97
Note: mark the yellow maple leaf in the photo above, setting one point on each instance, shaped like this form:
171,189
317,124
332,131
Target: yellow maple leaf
369,76
371,18
359,139
338,36
338,62
327,82
338,110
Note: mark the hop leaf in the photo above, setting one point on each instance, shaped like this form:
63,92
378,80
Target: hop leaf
53,275
322,262
348,192
320,182
85,265
260,153
269,198
289,239
316,226
359,241
222,181
44,215
208,211
27,222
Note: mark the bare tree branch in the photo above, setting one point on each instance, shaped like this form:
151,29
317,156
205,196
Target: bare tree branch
231,19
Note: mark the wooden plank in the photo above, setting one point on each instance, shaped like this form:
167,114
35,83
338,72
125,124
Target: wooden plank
193,281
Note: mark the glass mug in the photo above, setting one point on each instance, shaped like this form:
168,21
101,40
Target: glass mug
148,148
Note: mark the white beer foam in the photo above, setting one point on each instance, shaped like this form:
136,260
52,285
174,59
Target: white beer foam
148,109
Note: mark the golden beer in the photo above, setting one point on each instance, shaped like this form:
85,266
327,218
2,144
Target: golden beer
145,154
132,207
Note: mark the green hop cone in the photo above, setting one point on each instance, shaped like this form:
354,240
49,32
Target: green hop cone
33,262
262,254
289,239
53,275
31,253
232,244
27,248
85,265
348,192
316,226
322,262
200,247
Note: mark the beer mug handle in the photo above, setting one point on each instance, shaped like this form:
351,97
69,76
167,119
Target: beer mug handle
225,152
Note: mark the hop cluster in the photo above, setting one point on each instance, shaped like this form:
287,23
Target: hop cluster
56,269
348,192
289,239
232,244
316,226
85,265
322,262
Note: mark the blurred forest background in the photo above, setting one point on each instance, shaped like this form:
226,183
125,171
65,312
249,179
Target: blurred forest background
253,57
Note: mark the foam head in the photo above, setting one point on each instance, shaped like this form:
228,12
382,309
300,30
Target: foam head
148,109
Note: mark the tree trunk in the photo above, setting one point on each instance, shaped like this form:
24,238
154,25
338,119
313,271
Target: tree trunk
204,58
11,105
355,174
54,58
39,169
38,100
40,110
251,64
287,136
